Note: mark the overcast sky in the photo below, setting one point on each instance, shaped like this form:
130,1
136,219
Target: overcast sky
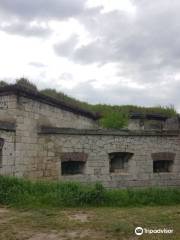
100,51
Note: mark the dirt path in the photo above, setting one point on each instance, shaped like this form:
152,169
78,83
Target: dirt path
87,224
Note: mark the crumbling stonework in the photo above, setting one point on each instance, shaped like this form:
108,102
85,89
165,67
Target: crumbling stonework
46,139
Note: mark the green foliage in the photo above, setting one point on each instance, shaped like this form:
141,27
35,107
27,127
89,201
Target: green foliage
24,193
114,120
63,97
24,82
117,116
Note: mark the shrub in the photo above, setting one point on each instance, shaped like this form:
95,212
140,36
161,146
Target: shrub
114,120
25,83
3,84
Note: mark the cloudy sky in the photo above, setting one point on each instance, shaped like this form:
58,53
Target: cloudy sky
100,51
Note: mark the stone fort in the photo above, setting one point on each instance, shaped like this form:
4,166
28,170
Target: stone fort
42,138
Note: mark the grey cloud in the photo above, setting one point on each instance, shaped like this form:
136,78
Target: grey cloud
25,29
112,94
42,9
93,52
18,14
146,46
67,47
122,95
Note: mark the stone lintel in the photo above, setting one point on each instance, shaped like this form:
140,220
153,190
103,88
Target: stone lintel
7,126
166,156
104,132
74,156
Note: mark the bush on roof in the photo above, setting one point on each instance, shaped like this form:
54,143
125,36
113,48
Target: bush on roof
24,82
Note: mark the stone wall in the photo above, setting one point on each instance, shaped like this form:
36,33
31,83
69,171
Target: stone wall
7,165
28,115
145,124
7,133
33,114
47,115
42,141
8,108
98,145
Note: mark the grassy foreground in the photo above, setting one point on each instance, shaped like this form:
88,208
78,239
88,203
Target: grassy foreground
71,211
18,192
88,223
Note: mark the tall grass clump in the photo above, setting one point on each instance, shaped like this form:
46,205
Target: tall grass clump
24,193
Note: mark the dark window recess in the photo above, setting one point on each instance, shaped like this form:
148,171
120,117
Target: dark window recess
73,163
0,158
162,166
1,147
72,167
163,161
119,161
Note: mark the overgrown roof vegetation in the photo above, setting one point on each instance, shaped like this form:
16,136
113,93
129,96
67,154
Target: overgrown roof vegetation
113,116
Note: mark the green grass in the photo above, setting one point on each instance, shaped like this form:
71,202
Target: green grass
19,192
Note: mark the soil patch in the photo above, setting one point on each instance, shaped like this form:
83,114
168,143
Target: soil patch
81,217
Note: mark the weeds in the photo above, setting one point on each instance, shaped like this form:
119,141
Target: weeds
19,192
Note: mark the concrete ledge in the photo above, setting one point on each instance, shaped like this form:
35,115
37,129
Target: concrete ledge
104,132
7,126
